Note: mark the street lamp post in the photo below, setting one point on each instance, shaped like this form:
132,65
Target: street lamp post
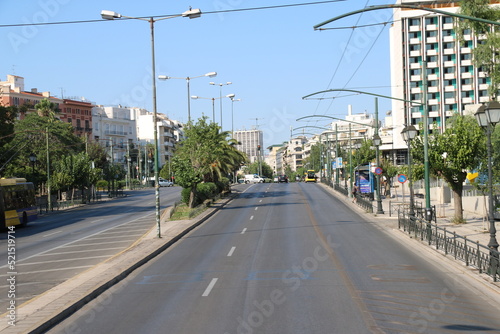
220,97
487,117
232,115
195,97
32,158
191,13
409,133
188,79
377,141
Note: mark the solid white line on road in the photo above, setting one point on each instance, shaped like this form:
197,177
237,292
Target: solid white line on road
209,287
48,235
251,217
64,260
244,230
231,251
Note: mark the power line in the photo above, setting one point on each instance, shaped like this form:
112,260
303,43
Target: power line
159,16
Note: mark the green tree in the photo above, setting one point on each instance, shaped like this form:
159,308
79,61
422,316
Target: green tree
485,53
31,137
205,155
7,120
253,168
451,154
45,108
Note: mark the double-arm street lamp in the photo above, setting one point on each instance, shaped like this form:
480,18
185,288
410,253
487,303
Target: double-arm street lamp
191,13
231,96
232,114
488,116
409,133
220,96
188,79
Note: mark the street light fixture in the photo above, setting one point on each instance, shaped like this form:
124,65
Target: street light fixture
220,97
232,114
487,117
377,141
188,79
409,133
191,13
195,97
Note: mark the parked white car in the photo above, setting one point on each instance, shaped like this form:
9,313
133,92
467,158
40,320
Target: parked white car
165,183
253,178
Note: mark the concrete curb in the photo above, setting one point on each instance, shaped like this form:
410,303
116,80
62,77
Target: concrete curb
45,311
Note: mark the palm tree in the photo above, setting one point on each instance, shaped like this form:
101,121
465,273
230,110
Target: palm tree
45,108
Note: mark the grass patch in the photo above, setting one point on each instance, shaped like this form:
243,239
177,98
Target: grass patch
183,212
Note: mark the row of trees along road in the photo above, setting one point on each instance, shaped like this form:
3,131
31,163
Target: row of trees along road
74,164
206,155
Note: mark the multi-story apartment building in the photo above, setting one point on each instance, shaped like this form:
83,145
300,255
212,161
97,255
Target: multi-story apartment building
114,128
250,141
425,46
78,113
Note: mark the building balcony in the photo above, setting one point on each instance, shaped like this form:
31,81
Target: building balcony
449,76
449,51
448,39
483,86
467,100
432,77
433,102
433,89
467,62
415,41
449,63
431,27
114,133
432,52
415,78
431,40
448,26
467,87
415,53
483,99
416,90
414,28
432,64
450,88
466,75
414,66
434,114
450,101
465,50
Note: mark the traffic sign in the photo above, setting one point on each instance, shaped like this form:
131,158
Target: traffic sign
402,178
378,170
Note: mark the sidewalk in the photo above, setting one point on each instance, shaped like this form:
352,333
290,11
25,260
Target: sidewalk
42,312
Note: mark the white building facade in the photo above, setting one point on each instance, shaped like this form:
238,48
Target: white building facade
454,85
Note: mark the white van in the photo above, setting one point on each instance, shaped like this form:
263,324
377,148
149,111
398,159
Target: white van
253,178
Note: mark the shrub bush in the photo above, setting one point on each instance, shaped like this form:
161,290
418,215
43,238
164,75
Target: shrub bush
102,184
206,191
185,193
224,185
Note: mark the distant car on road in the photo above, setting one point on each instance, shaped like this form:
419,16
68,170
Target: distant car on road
165,183
282,179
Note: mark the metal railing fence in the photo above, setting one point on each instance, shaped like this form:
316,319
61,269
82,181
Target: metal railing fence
472,253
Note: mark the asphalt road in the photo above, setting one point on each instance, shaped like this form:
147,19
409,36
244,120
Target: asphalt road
60,245
289,258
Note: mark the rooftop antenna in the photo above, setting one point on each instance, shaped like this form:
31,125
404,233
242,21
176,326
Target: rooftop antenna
256,122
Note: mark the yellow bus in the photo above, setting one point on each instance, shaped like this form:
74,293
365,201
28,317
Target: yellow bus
310,176
17,202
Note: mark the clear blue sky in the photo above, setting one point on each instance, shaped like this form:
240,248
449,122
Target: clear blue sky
273,57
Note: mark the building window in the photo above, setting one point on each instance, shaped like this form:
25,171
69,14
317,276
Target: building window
449,45
415,71
449,95
432,33
432,59
414,47
431,20
447,19
469,93
414,22
447,33
448,70
466,56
